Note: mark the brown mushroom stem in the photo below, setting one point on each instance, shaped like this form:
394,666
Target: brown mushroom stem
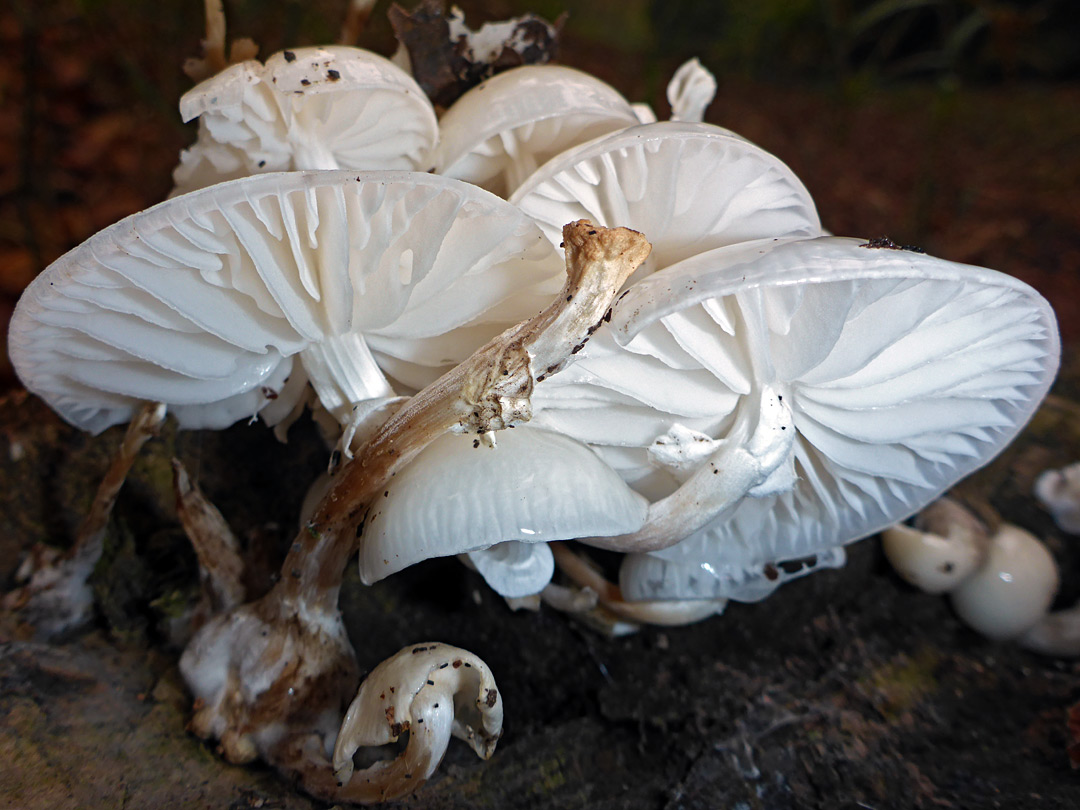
356,17
668,613
221,570
214,59
272,677
489,391
57,596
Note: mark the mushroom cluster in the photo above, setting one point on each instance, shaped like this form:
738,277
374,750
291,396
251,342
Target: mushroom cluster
714,385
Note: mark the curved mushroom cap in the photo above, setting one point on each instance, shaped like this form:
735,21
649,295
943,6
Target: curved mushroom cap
331,107
903,374
223,302
688,187
460,495
496,134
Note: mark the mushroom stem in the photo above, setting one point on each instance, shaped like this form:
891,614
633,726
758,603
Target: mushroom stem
752,459
357,14
1056,634
213,46
57,596
221,569
271,677
489,391
668,613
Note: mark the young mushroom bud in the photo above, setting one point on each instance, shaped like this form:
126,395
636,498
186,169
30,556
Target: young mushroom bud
431,692
946,546
1011,592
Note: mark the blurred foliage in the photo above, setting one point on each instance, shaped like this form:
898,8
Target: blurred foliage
879,40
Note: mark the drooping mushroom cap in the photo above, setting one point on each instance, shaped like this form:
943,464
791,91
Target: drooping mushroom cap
496,134
689,187
224,302
461,496
430,691
330,107
903,374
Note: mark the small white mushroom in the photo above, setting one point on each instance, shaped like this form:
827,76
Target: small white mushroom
948,544
430,691
690,91
1000,584
1059,493
1012,590
330,107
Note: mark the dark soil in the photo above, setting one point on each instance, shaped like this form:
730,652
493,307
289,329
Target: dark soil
844,690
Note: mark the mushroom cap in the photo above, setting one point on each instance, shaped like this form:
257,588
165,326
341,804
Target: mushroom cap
1012,590
689,187
459,495
903,373
323,107
525,115
204,301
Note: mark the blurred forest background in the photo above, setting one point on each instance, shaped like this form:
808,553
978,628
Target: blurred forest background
949,124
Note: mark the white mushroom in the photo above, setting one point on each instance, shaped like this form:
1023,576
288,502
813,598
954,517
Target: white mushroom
241,665
429,691
1059,493
901,374
330,107
1012,590
497,134
225,302
501,505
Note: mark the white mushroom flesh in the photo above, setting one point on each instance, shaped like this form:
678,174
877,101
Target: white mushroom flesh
946,545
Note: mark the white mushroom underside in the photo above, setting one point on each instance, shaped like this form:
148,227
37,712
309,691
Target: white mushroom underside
202,301
903,374
688,187
459,495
